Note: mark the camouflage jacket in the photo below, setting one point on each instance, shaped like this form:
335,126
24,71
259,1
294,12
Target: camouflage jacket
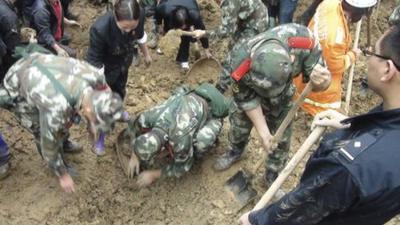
394,19
180,116
241,19
27,81
269,80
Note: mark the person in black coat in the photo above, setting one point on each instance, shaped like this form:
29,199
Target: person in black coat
353,178
9,35
112,43
181,14
48,21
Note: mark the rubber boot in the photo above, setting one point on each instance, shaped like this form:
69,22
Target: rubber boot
4,159
99,147
226,160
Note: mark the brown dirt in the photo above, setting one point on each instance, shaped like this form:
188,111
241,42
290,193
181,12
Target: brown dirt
31,195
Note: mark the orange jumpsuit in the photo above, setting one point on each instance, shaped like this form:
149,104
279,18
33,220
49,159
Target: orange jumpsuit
330,28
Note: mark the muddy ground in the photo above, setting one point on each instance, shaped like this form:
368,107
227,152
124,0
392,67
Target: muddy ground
31,195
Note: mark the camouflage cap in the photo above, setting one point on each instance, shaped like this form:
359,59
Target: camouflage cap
107,108
148,144
271,62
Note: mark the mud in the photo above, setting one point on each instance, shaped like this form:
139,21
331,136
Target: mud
31,195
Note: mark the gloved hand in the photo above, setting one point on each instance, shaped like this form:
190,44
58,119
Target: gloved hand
198,33
60,51
329,118
320,78
244,219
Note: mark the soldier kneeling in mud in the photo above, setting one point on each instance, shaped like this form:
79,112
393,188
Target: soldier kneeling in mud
48,94
185,126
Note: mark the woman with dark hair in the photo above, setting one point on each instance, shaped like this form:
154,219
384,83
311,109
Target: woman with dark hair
112,42
181,14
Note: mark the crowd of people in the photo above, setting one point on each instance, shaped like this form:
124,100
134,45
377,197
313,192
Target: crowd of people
352,178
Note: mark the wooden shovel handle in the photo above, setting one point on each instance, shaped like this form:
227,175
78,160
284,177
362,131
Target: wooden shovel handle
292,164
285,123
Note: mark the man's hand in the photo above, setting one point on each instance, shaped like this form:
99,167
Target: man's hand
148,60
67,183
60,51
148,177
207,53
357,52
160,30
133,166
329,118
199,33
72,23
320,78
244,219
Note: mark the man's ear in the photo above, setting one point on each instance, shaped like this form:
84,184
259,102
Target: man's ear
390,71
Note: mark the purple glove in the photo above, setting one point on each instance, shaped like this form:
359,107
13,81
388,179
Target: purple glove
99,147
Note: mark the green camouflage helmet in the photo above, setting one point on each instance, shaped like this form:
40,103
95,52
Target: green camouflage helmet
271,66
107,108
147,145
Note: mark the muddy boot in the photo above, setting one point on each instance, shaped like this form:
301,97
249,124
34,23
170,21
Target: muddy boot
71,147
99,147
226,160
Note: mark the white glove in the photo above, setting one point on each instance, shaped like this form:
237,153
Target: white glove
329,118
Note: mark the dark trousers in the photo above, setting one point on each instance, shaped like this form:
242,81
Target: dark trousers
184,47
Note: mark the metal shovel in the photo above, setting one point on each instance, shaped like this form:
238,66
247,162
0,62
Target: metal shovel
239,184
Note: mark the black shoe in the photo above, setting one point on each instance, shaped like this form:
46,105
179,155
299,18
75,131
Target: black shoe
71,147
226,160
4,170
269,177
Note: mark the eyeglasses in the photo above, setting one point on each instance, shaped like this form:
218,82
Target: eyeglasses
369,53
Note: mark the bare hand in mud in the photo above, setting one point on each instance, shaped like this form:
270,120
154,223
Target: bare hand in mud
133,166
207,53
148,177
67,183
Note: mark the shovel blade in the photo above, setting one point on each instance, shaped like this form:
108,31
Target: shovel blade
239,187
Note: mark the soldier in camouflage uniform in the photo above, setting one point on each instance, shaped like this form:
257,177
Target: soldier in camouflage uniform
263,95
395,17
186,125
48,94
240,20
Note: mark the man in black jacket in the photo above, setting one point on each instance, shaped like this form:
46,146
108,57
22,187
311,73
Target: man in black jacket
48,20
9,35
353,178
181,14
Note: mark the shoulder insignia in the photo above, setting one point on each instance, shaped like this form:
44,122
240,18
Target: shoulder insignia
355,147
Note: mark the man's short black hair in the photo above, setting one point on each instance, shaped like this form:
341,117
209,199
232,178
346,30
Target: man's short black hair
180,17
390,45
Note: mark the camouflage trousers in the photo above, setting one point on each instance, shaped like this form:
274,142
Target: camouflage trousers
241,127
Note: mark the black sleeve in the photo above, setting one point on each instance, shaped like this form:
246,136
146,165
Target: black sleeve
198,24
139,30
97,48
328,191
160,13
9,31
41,20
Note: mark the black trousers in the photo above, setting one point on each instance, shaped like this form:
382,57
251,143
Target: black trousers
184,47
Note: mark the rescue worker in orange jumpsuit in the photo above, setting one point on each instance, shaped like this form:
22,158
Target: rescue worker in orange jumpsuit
330,26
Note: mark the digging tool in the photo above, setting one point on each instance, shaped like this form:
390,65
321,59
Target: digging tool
351,74
291,165
238,184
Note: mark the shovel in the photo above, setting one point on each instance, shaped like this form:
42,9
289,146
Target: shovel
239,184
